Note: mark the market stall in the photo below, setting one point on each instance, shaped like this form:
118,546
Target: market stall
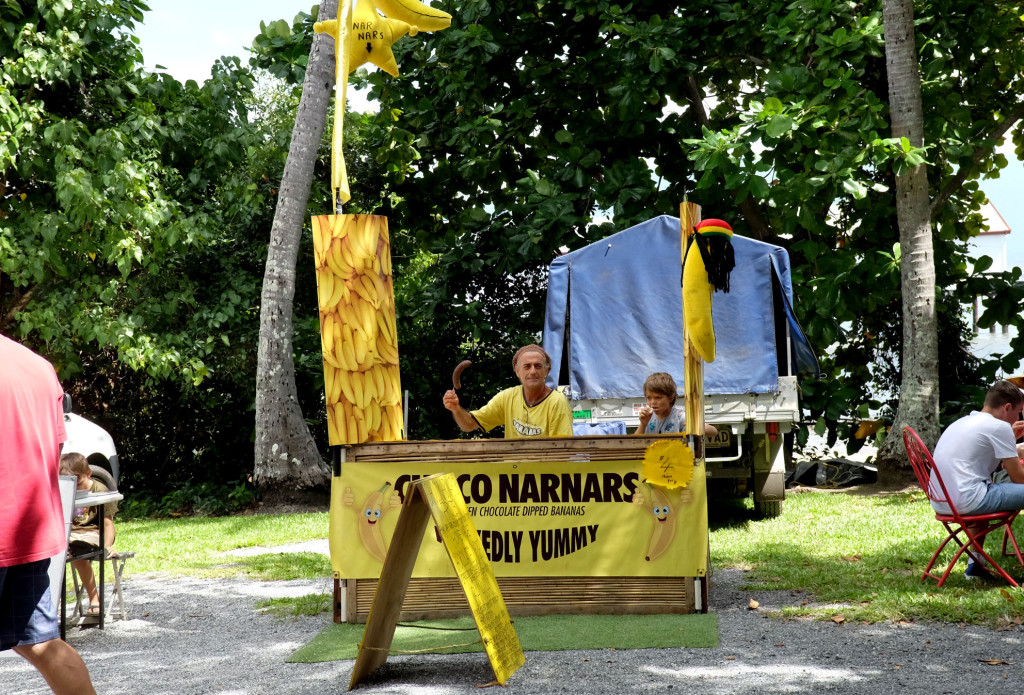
568,524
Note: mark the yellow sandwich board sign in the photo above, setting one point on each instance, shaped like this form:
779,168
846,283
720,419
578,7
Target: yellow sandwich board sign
439,497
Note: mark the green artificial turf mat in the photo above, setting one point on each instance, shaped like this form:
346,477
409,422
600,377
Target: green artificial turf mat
539,634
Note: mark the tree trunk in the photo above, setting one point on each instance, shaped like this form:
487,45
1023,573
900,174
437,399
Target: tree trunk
288,466
919,388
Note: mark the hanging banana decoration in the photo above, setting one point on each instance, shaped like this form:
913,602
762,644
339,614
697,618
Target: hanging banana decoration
362,35
708,262
358,329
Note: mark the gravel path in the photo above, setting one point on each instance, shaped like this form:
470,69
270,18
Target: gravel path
198,636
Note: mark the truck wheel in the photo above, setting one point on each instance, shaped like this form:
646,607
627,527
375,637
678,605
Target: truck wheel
768,509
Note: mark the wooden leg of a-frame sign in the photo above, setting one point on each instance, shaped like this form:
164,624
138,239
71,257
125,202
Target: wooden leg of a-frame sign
337,600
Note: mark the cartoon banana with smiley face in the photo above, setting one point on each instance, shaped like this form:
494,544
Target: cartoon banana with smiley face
368,517
664,531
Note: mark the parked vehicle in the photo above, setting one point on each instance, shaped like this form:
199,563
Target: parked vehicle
614,316
93,442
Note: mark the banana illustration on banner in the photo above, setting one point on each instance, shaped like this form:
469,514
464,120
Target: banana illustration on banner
358,328
665,518
368,518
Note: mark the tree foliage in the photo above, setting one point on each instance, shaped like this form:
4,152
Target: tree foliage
523,127
131,207
112,181
135,210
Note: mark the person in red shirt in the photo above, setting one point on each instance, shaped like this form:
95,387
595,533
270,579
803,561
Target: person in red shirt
32,423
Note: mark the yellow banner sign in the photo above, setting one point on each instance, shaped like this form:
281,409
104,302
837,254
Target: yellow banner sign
471,564
436,499
534,519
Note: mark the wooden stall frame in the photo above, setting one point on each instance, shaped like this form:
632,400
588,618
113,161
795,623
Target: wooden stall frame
600,595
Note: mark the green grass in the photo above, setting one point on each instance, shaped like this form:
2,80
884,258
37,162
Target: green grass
310,604
859,556
196,546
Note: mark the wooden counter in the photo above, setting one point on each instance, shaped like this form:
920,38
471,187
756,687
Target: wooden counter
442,597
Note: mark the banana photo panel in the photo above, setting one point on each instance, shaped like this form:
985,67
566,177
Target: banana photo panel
358,329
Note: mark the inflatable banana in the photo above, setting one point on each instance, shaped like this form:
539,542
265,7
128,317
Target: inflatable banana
417,15
709,259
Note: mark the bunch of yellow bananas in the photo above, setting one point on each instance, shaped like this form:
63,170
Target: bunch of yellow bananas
357,328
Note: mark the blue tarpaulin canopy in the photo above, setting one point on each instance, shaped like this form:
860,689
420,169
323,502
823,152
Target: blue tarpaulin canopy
616,308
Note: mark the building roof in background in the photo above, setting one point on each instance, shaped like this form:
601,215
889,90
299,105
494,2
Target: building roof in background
993,220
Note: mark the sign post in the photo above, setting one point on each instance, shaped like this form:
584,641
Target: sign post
689,216
693,365
438,497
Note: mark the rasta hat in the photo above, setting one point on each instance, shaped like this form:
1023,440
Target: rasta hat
714,241
713,227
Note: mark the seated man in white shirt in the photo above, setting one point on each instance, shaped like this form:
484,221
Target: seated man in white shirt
973,448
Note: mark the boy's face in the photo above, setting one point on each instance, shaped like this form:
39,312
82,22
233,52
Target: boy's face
1010,412
659,403
85,481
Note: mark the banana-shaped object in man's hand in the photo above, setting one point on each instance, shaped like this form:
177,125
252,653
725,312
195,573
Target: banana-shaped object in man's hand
416,14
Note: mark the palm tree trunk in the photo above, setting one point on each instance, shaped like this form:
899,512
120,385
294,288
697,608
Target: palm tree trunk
919,388
287,461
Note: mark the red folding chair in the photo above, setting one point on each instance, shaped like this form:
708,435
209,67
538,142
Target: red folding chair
931,482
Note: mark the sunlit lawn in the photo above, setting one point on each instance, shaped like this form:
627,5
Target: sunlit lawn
860,556
197,546
865,553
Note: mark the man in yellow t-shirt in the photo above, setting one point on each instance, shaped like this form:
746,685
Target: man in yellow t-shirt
532,409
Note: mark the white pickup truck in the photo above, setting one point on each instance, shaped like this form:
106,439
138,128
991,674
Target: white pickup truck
614,316
93,442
